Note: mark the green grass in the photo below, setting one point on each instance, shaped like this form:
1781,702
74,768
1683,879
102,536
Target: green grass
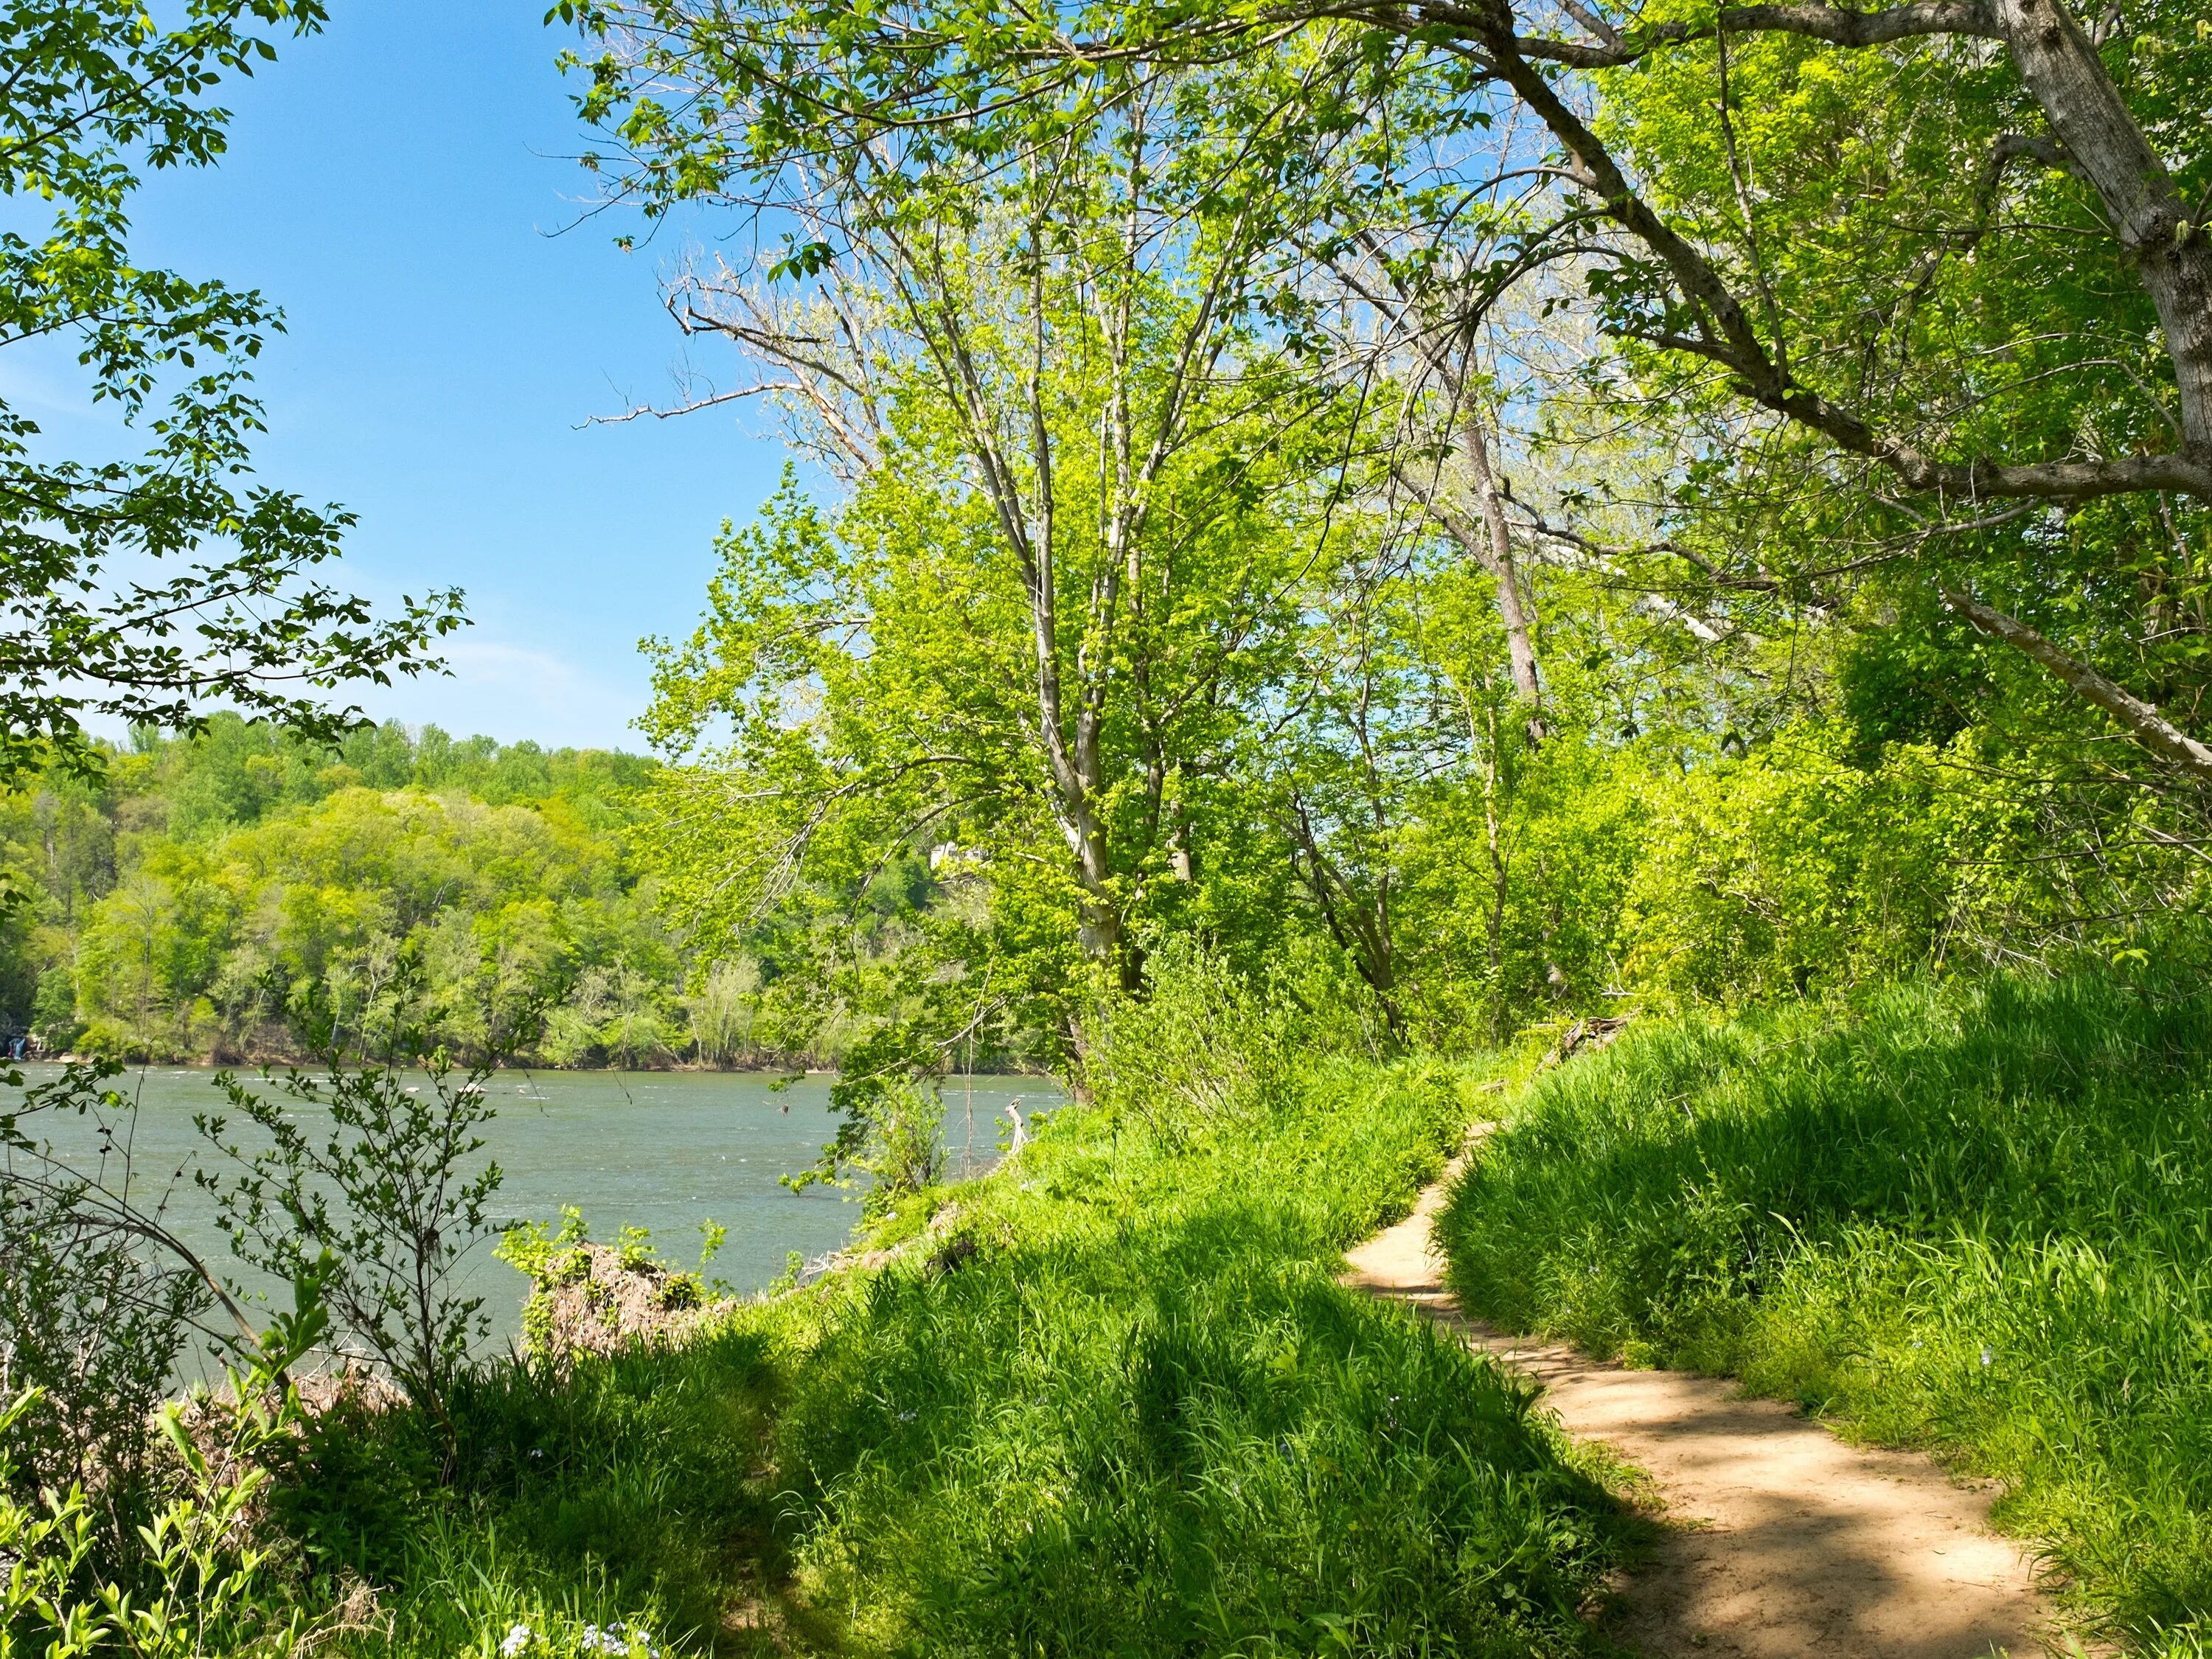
1976,1218
1141,1418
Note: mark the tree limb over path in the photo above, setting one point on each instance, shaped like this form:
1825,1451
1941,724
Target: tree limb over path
2092,135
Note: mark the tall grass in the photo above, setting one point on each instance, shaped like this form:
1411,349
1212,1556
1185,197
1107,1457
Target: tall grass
1119,1406
1977,1219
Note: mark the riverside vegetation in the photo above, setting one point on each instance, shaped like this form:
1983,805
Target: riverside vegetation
1336,547
1972,1218
1108,1400
1117,1405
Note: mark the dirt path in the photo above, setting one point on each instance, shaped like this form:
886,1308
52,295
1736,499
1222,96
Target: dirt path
1781,1540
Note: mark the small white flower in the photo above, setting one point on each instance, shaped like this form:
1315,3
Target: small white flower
517,1640
1989,1355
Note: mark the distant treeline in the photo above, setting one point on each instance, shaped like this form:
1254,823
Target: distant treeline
191,902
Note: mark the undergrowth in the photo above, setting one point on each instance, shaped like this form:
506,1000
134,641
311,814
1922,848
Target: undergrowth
1114,1402
1977,1219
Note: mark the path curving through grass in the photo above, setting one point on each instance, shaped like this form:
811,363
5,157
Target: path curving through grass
1780,1541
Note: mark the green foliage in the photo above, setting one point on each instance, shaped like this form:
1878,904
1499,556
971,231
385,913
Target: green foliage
180,908
99,91
1660,876
1850,336
54,1023
1119,1405
200,1584
1175,1434
890,1115
1770,756
1971,1218
381,1199
1200,1055
204,1592
548,1259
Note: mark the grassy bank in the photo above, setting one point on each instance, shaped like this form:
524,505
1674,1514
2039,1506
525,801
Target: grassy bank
1117,1404
1973,1218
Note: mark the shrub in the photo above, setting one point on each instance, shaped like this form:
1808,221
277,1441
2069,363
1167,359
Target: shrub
391,1190
1201,1050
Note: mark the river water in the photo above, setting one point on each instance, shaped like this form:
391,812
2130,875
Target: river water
665,1151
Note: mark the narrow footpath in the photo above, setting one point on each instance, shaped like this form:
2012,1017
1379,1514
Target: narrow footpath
1779,1540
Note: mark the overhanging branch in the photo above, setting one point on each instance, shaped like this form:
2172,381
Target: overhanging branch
2156,732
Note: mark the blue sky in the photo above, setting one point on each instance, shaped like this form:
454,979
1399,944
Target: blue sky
395,185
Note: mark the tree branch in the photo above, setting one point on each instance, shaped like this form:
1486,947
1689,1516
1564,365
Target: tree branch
2156,732
1831,23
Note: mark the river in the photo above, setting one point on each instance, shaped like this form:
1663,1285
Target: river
665,1151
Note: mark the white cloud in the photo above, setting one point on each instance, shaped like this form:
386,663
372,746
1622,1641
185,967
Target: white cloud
514,691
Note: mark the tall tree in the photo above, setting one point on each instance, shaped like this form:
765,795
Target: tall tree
1044,368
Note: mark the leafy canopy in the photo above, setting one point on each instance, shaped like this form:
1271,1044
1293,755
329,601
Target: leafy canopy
95,616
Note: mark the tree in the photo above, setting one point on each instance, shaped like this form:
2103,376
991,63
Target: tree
1082,490
96,622
1924,286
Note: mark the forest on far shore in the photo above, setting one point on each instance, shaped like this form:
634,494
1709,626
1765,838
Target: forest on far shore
188,904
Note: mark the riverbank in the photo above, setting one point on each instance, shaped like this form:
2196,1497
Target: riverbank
1108,1400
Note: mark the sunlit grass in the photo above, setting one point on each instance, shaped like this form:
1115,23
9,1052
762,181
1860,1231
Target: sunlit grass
1976,1218
1142,1418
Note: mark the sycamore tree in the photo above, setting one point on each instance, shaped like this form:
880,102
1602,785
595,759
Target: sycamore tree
1078,489
141,589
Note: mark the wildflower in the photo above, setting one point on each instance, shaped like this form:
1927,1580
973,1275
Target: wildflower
617,1639
1989,1355
517,1640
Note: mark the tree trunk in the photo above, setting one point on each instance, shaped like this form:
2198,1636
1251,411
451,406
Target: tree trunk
1496,554
2172,255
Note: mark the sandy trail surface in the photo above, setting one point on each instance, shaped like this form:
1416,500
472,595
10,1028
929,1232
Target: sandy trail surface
1778,1539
